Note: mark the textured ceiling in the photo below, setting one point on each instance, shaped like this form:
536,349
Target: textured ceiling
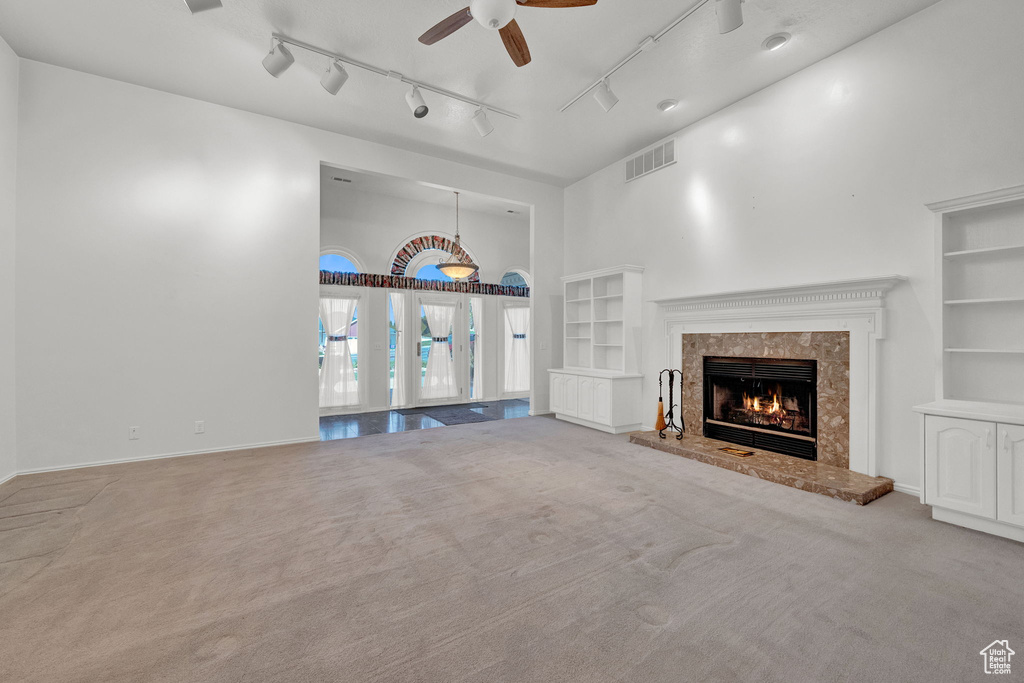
215,56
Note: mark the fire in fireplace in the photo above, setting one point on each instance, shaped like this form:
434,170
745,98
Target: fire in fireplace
764,403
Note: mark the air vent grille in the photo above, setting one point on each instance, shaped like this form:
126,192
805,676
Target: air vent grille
651,160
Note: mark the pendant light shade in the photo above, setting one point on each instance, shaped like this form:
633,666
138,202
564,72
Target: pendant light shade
730,15
334,77
454,267
278,61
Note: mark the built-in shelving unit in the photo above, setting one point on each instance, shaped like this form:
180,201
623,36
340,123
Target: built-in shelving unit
600,383
981,271
599,308
973,434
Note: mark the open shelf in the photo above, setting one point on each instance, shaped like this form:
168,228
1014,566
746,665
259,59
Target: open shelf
994,300
1009,250
1021,351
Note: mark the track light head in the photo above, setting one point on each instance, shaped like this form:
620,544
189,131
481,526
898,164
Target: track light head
483,125
202,5
334,78
604,96
416,104
730,15
278,61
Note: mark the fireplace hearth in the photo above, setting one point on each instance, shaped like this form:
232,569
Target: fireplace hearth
764,403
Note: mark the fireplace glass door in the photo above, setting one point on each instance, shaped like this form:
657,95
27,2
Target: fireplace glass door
764,403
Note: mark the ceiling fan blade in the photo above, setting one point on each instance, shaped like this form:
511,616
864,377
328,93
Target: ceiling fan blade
446,27
515,43
557,3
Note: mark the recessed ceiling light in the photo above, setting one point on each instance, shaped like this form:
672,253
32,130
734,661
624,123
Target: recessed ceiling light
772,43
668,105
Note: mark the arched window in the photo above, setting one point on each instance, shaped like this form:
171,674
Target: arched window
513,279
336,263
430,272
424,265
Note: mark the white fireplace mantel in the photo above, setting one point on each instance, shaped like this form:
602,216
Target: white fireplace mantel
854,306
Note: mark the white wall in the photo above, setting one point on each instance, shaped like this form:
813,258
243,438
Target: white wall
8,174
824,176
375,226
167,256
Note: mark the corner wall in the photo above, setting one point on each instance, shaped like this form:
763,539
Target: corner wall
167,257
8,188
824,177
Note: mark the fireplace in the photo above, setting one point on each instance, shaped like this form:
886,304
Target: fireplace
764,403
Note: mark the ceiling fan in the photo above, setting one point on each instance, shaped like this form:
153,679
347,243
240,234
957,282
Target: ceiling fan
497,15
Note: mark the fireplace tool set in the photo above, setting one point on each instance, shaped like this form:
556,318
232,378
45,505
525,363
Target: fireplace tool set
667,421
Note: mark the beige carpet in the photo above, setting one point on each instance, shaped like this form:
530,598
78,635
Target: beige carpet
517,550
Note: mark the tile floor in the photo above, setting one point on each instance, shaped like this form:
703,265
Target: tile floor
390,421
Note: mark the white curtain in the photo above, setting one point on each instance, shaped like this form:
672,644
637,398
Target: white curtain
476,305
398,390
439,381
338,386
517,349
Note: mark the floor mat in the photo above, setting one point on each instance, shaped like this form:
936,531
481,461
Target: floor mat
458,415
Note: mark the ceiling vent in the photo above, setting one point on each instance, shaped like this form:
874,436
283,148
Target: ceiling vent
651,160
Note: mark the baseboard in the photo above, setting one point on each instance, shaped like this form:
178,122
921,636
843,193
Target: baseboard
906,488
6,479
163,456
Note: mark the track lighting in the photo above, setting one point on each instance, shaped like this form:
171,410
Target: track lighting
416,104
604,96
483,125
730,15
202,5
334,77
278,61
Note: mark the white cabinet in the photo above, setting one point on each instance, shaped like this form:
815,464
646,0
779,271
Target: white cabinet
1011,474
606,402
960,465
974,465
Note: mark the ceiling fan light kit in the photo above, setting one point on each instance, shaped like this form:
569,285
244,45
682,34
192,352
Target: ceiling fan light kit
279,59
497,15
493,14
202,5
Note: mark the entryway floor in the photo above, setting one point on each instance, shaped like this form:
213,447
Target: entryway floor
334,427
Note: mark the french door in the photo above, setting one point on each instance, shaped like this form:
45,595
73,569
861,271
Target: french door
441,356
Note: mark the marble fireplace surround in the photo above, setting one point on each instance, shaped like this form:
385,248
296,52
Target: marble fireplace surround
854,307
831,350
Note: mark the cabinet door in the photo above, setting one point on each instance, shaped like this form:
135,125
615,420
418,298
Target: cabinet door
570,406
960,465
586,394
557,400
1011,474
603,401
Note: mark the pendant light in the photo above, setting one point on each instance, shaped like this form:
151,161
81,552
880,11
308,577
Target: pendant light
454,267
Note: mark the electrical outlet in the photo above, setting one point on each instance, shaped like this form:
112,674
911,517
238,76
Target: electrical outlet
133,433
200,427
